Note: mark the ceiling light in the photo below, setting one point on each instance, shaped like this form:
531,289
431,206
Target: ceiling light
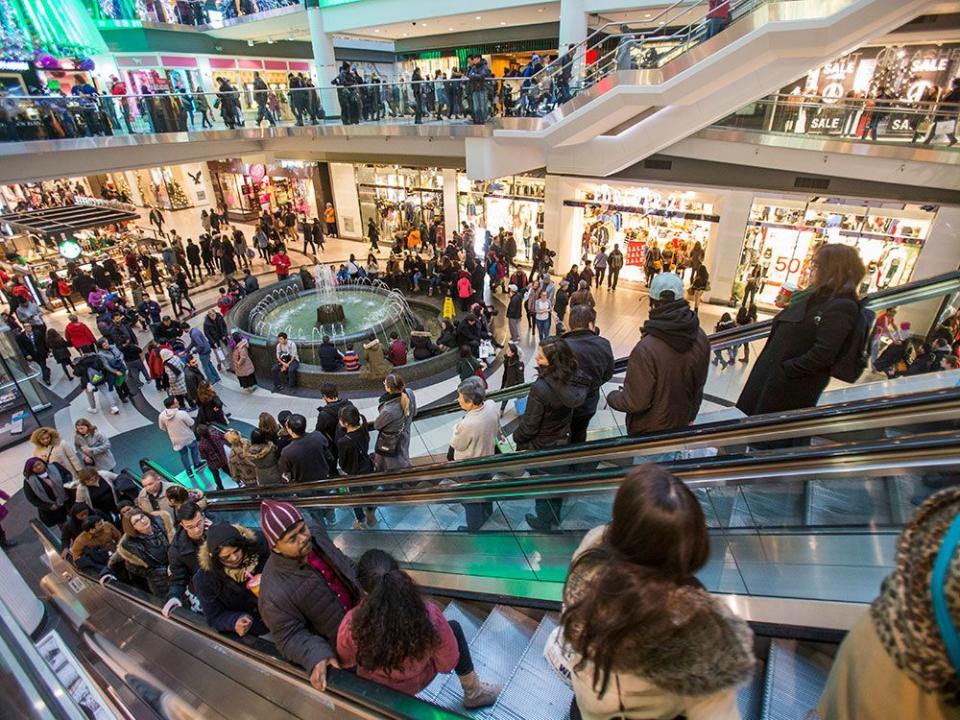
377,30
539,9
647,16
477,17
424,24
502,22
450,29
405,35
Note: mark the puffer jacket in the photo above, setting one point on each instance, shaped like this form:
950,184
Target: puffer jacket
546,421
146,556
264,460
297,605
222,598
422,345
182,561
392,420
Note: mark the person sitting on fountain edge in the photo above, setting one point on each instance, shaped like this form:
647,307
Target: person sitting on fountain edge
287,362
330,358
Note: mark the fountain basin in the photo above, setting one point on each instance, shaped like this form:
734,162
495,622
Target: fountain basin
369,312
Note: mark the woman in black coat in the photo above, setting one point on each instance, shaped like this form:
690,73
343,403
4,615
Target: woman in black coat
43,486
807,337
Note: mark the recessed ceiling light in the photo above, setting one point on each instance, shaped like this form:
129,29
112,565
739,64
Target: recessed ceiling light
477,17
539,9
502,22
450,29
405,35
377,30
424,24
647,16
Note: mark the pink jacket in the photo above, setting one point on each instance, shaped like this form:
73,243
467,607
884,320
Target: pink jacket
416,674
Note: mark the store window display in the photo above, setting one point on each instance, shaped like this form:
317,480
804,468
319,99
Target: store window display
637,217
513,203
246,190
397,198
782,235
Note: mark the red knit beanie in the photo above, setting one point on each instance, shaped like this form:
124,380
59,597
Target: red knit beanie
276,518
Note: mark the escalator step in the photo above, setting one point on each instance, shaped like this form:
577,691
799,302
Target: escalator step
535,692
496,652
750,696
795,677
471,622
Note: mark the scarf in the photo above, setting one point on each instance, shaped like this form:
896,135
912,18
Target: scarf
246,570
49,489
674,323
903,612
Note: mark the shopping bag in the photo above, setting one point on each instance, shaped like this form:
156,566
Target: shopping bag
943,127
520,405
486,349
559,655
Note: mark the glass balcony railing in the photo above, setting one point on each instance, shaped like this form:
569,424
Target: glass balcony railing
888,121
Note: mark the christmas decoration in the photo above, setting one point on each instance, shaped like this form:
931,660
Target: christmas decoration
38,28
85,64
178,198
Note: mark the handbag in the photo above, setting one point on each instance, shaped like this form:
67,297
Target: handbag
559,655
388,444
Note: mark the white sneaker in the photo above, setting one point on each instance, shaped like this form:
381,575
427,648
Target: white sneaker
114,410
93,409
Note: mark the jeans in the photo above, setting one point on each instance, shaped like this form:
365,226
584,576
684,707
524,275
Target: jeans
613,277
543,328
190,454
208,369
714,26
264,112
479,104
291,374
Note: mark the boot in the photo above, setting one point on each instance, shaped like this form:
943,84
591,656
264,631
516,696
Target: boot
370,516
478,694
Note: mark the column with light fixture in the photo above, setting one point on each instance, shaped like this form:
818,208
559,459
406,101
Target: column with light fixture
573,31
323,58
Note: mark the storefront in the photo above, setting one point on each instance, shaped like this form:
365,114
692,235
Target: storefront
163,187
513,203
246,190
635,217
398,198
783,233
836,99
27,196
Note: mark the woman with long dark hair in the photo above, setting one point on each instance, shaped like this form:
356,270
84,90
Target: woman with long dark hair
808,336
397,639
647,639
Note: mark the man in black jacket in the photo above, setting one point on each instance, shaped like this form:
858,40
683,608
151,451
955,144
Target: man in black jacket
514,312
328,416
330,358
215,330
307,587
594,359
305,459
182,553
353,452
168,331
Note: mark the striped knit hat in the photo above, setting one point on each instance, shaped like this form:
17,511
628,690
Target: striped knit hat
276,518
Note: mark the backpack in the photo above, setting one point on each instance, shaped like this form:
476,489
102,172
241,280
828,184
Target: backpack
855,354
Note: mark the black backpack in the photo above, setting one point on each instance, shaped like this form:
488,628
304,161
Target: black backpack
855,355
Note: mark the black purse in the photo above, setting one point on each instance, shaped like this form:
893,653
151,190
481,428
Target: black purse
388,444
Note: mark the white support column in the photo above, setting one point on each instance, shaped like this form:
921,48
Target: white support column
940,254
323,58
573,30
451,206
723,252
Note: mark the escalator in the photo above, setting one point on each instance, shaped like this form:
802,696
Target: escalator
924,303
686,80
800,580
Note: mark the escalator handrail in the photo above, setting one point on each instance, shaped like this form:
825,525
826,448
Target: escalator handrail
902,294
821,420
345,684
938,449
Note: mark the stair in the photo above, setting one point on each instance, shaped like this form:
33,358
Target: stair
750,696
796,674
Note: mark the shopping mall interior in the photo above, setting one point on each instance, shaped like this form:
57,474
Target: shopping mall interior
343,340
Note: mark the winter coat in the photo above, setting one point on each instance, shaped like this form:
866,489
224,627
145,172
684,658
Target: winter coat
240,463
416,673
595,360
199,342
59,452
353,451
179,426
51,504
512,372
192,377
145,556
242,364
104,497
223,599
264,459
422,345
793,368
98,446
515,307
213,451
397,353
391,419
176,376
546,421
330,358
182,561
107,536
306,459
328,422
215,329
297,605
78,334
694,673
663,387
475,435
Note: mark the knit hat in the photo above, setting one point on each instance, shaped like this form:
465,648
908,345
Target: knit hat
512,288
28,466
220,534
276,518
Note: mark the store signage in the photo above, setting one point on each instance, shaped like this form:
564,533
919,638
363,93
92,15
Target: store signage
14,65
257,172
826,124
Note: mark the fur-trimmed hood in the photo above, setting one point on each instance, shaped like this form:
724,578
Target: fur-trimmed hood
205,557
123,550
256,453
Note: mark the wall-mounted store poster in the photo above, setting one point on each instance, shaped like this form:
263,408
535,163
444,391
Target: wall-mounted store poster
782,235
513,204
638,218
398,198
